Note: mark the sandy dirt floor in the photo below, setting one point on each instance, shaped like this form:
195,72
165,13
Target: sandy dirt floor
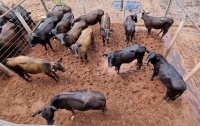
131,98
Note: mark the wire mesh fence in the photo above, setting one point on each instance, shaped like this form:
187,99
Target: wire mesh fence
13,36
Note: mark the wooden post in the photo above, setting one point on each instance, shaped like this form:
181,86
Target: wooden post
124,10
22,20
175,36
2,2
168,7
181,6
82,2
194,70
6,70
45,7
158,3
84,9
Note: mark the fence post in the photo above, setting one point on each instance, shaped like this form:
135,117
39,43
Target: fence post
175,36
181,6
22,20
2,2
83,6
194,70
124,10
168,7
45,7
158,3
6,70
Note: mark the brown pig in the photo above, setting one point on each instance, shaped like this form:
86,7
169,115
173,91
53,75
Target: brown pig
83,43
24,65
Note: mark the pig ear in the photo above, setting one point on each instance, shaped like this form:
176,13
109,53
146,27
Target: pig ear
53,108
105,55
59,60
157,57
38,112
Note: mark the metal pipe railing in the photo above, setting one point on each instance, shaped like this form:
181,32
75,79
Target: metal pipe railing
181,6
12,8
168,7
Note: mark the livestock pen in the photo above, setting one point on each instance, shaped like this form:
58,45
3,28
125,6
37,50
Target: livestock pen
13,35
132,99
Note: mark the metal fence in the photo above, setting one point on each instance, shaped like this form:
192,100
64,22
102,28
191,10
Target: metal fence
13,37
14,41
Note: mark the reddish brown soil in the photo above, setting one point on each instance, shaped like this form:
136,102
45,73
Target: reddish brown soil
131,98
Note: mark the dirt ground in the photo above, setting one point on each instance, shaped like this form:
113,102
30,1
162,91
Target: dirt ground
131,98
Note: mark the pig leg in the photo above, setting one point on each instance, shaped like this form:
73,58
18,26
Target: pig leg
177,96
22,75
73,113
86,58
54,77
172,97
50,45
107,41
20,72
127,39
132,35
81,58
167,95
92,41
45,47
164,32
103,40
118,68
139,63
155,72
103,110
27,75
149,30
160,32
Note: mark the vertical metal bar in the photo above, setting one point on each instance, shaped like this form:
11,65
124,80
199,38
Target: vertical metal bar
124,10
12,8
194,70
175,36
187,15
158,3
82,2
45,7
22,20
167,9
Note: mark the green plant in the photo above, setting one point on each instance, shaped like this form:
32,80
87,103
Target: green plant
60,2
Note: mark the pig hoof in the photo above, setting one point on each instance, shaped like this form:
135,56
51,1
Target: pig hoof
72,118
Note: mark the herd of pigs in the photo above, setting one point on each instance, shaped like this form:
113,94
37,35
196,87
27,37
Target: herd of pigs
76,36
